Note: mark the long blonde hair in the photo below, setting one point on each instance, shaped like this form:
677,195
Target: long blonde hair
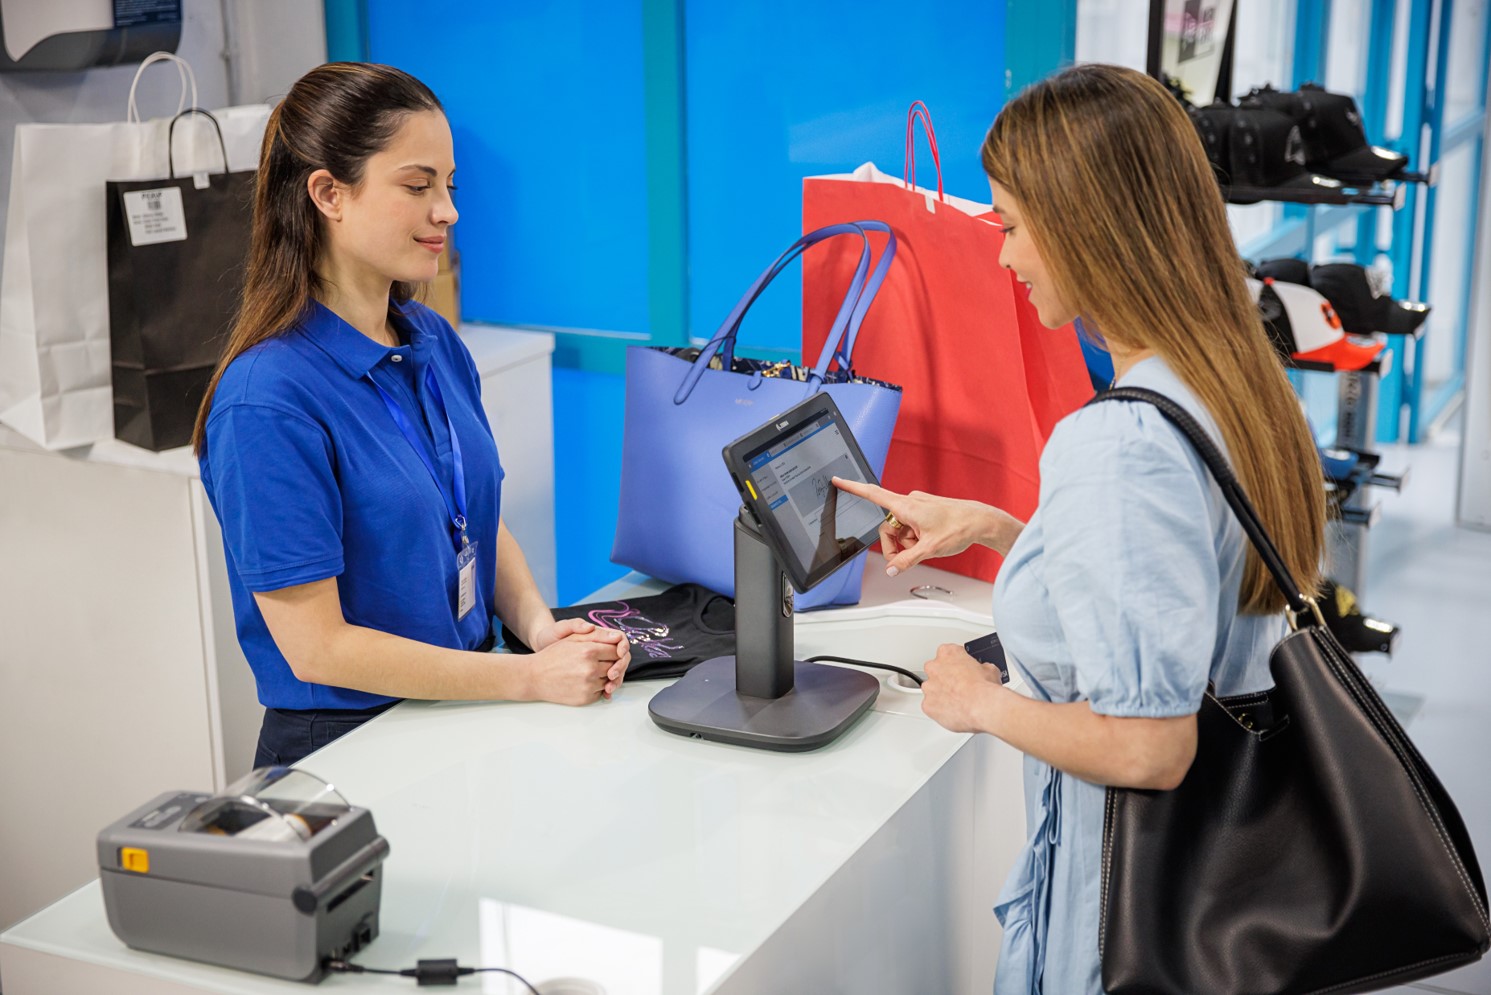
1124,208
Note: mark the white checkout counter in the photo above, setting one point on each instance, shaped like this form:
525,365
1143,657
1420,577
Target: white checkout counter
588,843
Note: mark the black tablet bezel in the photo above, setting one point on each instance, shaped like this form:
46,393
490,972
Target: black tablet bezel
738,455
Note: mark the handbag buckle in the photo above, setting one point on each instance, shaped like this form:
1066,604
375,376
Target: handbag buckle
1295,616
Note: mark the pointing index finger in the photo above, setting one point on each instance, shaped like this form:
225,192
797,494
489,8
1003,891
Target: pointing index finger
873,493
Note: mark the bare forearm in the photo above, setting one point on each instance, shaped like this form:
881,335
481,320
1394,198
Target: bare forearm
1101,749
352,656
517,600
997,529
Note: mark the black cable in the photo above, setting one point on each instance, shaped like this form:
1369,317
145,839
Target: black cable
824,658
503,970
428,973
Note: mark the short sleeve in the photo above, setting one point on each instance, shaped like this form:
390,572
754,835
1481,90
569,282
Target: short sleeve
275,492
1131,564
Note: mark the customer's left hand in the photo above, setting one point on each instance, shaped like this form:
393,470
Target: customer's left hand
576,628
958,689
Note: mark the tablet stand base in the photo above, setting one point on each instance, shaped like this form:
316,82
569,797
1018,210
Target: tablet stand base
762,697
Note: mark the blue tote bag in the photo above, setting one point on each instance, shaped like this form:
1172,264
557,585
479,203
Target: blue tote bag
678,504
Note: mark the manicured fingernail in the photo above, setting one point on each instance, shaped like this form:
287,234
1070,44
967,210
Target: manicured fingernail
891,571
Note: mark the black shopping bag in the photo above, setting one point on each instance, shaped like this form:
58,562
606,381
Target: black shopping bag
177,249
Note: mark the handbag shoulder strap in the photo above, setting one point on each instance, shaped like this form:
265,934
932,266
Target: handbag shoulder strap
1299,604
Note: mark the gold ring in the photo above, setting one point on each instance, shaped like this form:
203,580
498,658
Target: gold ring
893,521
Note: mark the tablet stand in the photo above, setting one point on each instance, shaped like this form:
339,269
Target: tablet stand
762,697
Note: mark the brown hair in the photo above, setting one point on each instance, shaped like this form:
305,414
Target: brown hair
335,117
1125,210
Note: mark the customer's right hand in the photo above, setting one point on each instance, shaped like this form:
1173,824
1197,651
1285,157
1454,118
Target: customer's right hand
574,671
929,525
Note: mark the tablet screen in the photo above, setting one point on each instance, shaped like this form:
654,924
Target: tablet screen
792,474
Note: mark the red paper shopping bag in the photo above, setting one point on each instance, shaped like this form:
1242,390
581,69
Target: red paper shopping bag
984,382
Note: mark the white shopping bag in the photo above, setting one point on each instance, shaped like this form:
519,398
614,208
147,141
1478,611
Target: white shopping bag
54,296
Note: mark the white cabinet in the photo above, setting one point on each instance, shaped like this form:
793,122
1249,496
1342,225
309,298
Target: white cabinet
120,672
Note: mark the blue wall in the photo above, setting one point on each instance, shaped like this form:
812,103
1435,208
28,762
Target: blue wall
546,105
587,478
778,90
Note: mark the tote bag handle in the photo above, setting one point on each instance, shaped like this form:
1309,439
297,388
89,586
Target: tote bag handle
183,69
171,137
841,337
845,329
1301,607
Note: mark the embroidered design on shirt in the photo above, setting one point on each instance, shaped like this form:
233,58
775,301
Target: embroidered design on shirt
642,632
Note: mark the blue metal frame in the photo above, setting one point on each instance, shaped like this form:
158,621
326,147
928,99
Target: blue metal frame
1415,376
1312,23
1391,396
1468,129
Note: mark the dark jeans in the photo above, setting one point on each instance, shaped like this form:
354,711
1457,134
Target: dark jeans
289,735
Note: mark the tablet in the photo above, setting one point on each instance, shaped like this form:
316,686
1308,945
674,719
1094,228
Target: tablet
784,472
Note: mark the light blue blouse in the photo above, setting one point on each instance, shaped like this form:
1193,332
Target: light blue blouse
1122,592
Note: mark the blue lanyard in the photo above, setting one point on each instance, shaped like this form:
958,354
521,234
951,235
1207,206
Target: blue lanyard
457,508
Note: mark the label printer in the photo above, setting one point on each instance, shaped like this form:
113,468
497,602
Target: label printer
276,875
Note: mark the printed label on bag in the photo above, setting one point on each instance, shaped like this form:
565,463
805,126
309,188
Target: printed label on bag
155,216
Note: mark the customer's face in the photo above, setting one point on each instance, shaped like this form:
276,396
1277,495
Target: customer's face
395,221
1021,257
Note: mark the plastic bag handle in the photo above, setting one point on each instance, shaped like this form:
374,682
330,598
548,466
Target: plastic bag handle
171,138
183,69
918,112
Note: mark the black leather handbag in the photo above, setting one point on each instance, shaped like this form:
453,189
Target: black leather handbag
1309,849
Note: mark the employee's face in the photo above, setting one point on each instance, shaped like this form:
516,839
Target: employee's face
395,221
1020,256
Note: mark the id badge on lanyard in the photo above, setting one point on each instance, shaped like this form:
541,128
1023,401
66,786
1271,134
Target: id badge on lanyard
465,580
455,502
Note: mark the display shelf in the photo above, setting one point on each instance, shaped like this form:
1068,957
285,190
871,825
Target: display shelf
1393,196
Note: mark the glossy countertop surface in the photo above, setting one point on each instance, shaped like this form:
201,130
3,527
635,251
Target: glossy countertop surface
587,842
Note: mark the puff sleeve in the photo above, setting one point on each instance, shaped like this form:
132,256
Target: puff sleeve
1131,563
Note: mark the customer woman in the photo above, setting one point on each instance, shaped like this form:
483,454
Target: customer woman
1132,586
344,447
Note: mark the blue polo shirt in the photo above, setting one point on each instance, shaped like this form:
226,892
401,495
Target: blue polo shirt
311,478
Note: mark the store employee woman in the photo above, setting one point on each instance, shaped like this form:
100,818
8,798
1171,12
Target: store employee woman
343,444
1132,585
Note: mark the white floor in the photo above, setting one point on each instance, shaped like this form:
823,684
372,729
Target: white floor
1434,579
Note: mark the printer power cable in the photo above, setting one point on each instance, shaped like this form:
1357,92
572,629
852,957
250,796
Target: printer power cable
429,972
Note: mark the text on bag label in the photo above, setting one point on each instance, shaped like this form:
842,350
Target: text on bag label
155,216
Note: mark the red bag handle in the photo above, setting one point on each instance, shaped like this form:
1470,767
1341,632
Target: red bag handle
918,112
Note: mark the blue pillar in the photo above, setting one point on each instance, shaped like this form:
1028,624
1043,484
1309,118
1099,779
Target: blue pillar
346,30
1039,38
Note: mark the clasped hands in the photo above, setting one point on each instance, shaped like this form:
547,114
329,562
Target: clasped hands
581,661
